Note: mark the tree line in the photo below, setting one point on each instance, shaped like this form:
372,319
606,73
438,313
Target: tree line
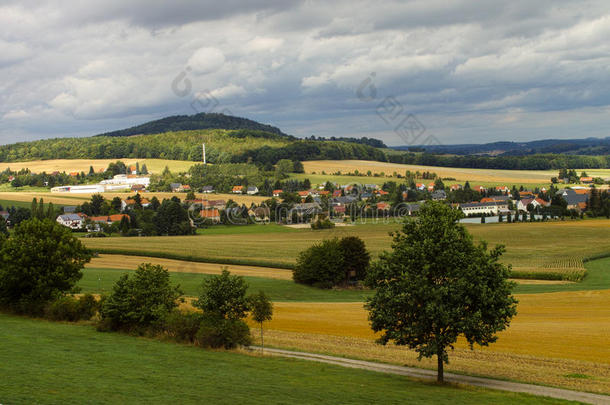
530,162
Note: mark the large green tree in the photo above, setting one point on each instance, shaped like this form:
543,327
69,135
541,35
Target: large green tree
39,262
437,284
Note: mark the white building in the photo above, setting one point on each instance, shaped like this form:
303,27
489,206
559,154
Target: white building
72,221
122,179
483,208
91,188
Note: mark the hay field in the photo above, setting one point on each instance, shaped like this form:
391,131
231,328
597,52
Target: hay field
82,165
460,174
531,247
572,325
75,199
131,262
552,336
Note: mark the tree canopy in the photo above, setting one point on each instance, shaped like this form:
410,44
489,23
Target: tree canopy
436,284
39,262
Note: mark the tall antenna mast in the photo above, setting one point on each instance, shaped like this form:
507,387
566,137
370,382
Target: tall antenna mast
204,153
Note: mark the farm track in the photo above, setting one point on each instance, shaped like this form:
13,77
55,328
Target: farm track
430,375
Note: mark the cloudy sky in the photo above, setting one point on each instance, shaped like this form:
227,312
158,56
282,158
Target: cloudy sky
467,72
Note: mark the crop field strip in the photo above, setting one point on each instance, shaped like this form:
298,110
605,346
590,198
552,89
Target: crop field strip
461,174
532,248
82,165
75,199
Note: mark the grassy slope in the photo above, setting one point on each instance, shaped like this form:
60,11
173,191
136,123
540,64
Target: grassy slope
82,365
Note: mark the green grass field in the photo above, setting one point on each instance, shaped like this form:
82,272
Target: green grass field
45,362
102,280
549,247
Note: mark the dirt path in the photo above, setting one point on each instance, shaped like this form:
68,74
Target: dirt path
449,377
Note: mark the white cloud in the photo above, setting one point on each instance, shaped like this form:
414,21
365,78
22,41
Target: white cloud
206,60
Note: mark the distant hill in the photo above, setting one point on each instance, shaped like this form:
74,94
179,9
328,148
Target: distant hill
588,146
195,122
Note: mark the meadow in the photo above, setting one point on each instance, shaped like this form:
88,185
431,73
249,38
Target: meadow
535,250
82,365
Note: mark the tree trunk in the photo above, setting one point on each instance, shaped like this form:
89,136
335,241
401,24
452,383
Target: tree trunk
439,373
262,341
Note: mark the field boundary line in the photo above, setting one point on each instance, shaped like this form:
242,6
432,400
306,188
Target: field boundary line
195,259
490,383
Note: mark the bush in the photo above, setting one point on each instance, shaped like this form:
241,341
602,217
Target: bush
183,326
139,302
356,258
321,265
322,224
217,332
332,262
70,309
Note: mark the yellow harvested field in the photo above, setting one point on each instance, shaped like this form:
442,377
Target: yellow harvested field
554,336
471,175
179,266
530,369
82,165
75,199
570,325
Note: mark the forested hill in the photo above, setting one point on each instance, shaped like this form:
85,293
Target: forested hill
195,122
587,146
222,146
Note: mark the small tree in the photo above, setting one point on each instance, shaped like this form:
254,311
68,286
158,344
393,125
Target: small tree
224,304
262,310
224,295
436,285
39,262
140,301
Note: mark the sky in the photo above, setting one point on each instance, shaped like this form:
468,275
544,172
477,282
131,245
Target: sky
406,72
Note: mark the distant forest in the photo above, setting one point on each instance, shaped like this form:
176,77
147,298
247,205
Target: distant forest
588,146
239,140
529,162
